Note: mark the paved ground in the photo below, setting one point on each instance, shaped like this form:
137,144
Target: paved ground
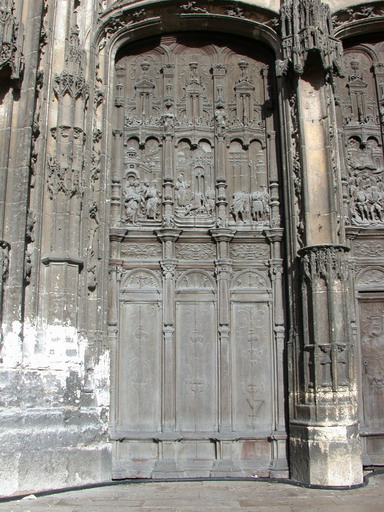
208,496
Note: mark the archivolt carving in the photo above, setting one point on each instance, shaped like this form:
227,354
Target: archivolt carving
358,13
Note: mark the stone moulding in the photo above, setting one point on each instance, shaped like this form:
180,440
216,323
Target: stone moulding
60,258
352,20
115,22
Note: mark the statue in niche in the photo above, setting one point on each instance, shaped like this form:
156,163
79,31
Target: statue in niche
194,77
373,344
220,119
182,187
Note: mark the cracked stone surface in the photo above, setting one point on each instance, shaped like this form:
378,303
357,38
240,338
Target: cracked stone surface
210,496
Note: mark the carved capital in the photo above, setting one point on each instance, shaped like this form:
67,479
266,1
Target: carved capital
74,85
222,234
306,27
223,269
168,268
11,33
326,262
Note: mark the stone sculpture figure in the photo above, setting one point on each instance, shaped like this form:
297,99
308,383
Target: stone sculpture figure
132,202
240,206
181,187
152,201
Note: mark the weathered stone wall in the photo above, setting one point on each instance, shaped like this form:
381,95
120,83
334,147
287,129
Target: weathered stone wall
59,196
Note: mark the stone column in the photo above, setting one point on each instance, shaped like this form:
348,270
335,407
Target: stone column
324,444
324,434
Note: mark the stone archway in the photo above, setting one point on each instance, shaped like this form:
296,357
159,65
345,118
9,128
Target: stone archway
195,261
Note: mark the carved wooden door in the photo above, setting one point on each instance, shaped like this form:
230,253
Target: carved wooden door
196,274
372,377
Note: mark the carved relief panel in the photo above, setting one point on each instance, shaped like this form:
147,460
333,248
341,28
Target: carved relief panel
372,381
190,116
362,105
196,378
251,335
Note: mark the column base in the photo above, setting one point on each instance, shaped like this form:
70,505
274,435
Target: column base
326,455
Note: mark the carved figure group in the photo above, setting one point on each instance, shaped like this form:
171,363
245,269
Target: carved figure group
190,201
254,206
367,204
141,199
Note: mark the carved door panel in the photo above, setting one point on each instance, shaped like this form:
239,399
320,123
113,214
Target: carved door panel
251,367
372,376
194,205
196,379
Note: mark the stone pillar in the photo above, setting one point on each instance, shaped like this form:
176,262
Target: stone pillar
324,444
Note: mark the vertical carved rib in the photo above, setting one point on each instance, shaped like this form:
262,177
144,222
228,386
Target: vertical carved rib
168,238
222,238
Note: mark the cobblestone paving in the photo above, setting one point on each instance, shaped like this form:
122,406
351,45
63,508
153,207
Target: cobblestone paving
207,496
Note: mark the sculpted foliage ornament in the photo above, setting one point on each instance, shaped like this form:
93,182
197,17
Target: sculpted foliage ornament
324,262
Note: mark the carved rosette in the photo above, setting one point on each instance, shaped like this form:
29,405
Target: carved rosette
325,262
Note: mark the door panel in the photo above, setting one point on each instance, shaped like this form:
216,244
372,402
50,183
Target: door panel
196,379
